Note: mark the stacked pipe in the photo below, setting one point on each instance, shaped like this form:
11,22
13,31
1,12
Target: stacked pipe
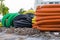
7,20
48,17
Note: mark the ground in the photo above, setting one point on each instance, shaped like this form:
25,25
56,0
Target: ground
27,34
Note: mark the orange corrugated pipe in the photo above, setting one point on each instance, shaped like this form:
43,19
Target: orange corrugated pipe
49,10
48,29
47,14
51,6
48,22
48,18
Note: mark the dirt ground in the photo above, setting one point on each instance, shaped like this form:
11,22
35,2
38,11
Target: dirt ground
27,34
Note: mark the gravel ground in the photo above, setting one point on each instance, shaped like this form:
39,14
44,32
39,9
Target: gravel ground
27,34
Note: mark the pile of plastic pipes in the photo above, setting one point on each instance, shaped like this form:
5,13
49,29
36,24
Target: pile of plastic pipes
48,17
